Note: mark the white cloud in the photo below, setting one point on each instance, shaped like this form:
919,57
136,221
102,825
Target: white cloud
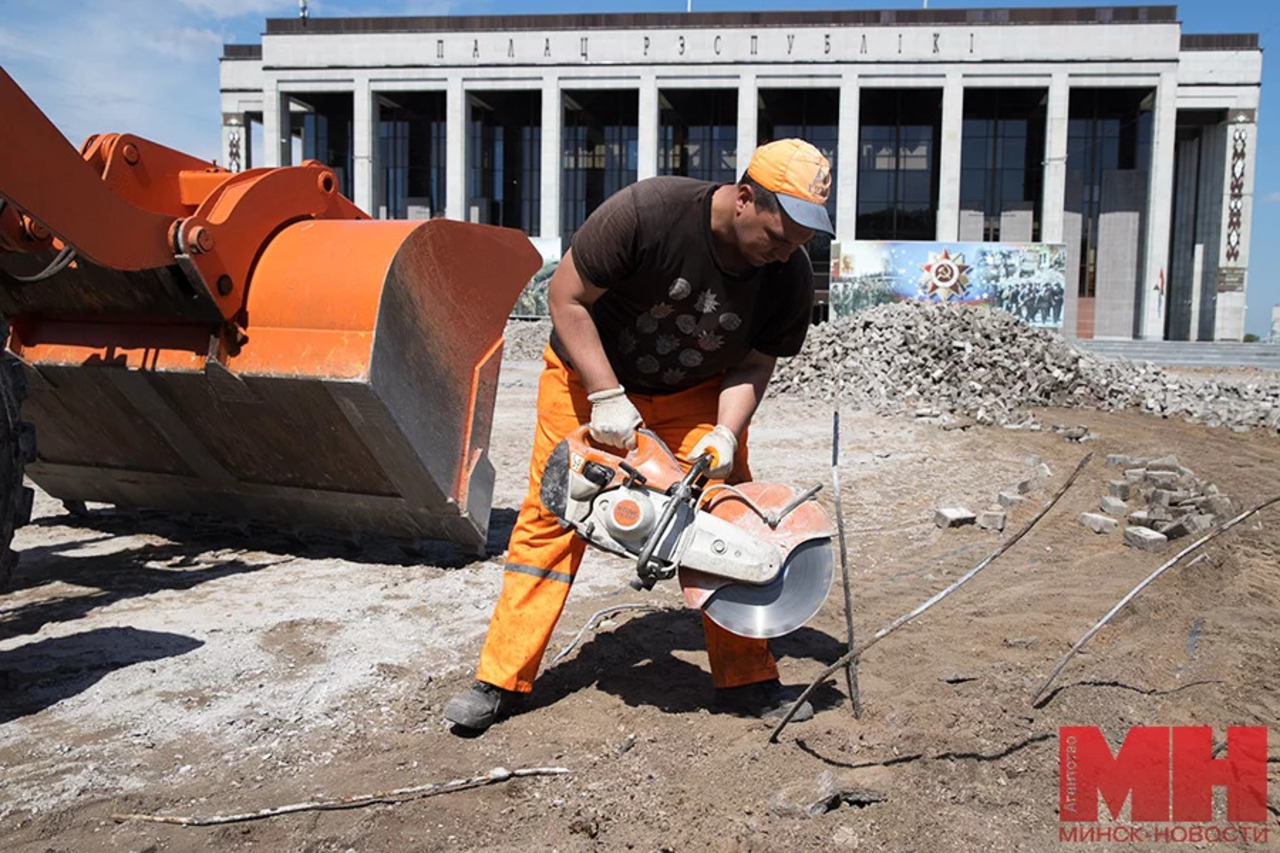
153,73
188,44
1270,198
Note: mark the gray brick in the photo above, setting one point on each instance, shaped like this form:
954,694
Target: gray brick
1121,489
1008,499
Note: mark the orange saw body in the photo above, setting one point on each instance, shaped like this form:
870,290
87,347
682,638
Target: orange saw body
756,557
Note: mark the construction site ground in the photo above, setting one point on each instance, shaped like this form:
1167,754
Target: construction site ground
182,666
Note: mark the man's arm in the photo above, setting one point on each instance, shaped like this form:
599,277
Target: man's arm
568,298
743,389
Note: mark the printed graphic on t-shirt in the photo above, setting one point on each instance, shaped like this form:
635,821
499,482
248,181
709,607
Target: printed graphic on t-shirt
676,334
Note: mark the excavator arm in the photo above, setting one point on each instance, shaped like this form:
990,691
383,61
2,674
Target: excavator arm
245,344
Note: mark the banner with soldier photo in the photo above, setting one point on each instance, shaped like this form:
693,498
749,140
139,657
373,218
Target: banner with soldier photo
1025,279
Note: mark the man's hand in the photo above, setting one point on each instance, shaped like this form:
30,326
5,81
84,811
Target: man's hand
613,418
722,444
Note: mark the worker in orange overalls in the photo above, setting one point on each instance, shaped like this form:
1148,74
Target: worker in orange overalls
669,310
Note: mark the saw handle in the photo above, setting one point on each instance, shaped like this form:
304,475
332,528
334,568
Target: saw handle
681,492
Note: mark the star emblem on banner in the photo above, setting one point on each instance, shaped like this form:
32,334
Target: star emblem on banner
944,276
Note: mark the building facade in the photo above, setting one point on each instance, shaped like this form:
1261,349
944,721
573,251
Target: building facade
1106,131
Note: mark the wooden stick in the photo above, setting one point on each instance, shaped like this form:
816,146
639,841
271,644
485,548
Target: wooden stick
851,669
497,774
616,608
1137,589
902,620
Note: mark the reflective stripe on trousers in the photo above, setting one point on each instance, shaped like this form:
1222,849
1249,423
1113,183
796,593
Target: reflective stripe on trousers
543,557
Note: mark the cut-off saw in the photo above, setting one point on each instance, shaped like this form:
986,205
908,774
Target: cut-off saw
755,557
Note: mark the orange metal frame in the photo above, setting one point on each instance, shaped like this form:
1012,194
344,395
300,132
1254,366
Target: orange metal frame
129,204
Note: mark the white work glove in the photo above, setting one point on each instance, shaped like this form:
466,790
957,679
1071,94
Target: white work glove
613,418
722,444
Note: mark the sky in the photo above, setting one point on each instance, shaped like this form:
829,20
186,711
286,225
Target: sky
150,67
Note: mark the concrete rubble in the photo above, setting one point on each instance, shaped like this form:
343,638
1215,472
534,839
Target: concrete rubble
982,363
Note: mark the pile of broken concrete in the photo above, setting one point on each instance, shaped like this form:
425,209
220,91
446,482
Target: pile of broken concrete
1159,500
945,361
524,340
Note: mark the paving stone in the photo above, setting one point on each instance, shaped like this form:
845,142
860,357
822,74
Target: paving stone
1008,499
1121,489
1145,539
953,516
1145,518
1099,523
1164,463
1114,506
1219,506
1187,525
992,519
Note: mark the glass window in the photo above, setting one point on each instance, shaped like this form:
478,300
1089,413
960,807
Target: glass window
1012,171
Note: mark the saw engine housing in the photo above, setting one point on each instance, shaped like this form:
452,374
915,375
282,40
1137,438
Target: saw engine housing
727,543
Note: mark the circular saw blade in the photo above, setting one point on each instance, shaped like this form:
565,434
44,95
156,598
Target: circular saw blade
782,605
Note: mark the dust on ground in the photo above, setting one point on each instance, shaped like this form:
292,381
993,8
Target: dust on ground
162,664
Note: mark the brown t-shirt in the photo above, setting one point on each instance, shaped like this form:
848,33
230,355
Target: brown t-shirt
672,317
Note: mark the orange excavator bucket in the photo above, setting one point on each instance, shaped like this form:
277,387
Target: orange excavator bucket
249,344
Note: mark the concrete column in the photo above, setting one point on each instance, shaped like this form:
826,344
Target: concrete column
455,147
364,127
276,127
1197,270
552,121
847,158
1055,160
949,171
1151,299
1237,211
235,142
748,120
1125,193
647,129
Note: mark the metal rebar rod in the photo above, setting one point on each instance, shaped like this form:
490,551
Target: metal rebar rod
1137,589
902,620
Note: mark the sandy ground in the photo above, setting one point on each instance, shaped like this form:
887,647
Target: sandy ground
170,665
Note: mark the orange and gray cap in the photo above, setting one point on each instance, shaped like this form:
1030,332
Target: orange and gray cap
799,176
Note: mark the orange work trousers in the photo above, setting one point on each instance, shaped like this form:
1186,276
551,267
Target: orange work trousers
543,557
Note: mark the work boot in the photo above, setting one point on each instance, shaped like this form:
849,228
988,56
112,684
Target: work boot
768,700
481,706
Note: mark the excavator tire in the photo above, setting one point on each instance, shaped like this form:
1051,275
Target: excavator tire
17,448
